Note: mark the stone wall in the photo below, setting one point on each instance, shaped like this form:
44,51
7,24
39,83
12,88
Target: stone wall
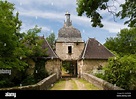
42,85
62,50
100,83
54,66
79,68
87,66
31,65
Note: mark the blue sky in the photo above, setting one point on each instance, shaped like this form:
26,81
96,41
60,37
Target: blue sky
50,16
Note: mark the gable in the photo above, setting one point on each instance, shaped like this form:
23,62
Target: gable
49,52
95,50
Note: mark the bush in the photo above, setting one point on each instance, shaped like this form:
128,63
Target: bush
121,71
29,80
40,71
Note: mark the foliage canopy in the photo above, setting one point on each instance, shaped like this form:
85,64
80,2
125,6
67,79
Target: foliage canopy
92,8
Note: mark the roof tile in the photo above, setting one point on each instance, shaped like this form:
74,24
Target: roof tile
95,50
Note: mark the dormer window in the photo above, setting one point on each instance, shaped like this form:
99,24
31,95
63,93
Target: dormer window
69,49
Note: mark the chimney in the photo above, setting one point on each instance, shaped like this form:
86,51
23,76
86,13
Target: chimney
67,20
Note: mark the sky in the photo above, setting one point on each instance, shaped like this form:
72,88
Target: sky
50,16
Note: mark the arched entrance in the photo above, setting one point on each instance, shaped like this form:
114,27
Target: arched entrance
69,69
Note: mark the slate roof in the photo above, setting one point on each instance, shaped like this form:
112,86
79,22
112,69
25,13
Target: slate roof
68,33
95,50
50,52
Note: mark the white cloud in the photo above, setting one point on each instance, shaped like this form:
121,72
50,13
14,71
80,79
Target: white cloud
36,3
31,8
54,16
113,27
41,14
26,26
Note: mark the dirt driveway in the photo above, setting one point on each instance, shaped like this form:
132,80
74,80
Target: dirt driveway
73,84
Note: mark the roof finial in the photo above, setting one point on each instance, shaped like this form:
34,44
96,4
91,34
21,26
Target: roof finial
67,12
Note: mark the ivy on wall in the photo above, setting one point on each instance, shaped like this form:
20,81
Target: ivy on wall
40,71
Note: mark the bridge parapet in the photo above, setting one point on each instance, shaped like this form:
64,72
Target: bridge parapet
102,84
42,85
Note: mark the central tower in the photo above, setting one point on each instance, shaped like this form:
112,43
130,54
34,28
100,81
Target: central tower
69,44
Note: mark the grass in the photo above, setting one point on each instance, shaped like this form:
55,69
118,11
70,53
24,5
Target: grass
59,85
88,85
74,85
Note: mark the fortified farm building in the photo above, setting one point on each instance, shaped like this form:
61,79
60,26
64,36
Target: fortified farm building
71,51
81,56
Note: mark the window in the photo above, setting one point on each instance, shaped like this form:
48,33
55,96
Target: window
69,49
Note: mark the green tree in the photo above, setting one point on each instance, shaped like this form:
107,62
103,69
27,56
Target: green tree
124,43
11,52
128,11
121,71
16,47
9,36
34,43
51,40
35,50
91,9
40,72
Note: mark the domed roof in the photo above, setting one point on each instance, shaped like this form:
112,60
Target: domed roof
68,33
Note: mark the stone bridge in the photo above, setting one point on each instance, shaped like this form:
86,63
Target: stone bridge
48,82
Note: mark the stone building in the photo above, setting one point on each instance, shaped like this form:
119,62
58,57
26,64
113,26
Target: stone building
52,63
72,50
93,57
83,57
69,44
